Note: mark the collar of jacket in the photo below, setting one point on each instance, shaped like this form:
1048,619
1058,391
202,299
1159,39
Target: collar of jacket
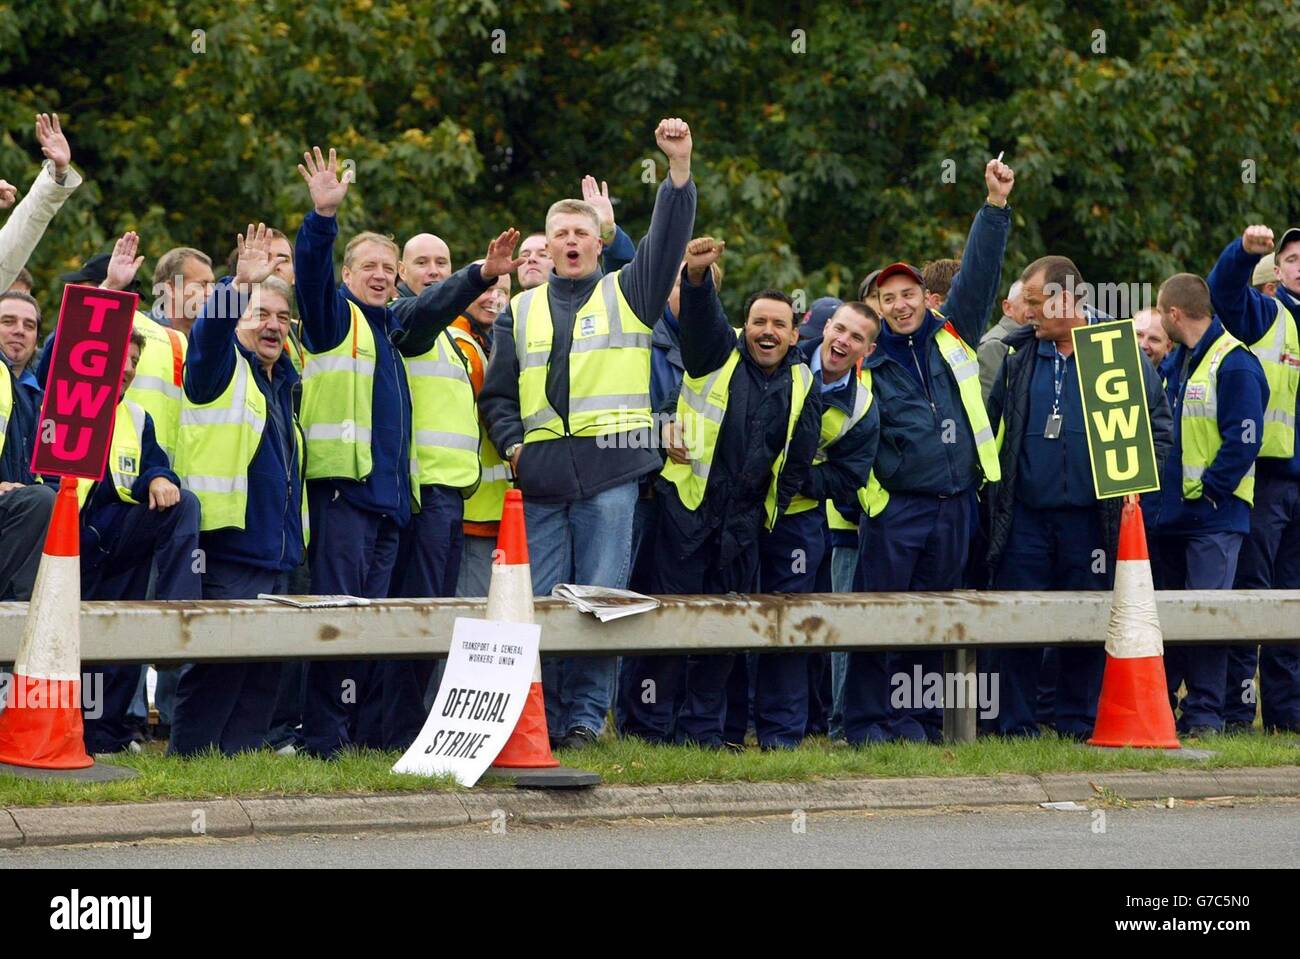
1175,359
379,315
404,291
578,290
1289,300
841,399
922,336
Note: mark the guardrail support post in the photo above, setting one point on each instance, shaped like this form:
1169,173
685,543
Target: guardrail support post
959,723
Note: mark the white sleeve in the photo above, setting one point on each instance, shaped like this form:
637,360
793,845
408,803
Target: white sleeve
25,226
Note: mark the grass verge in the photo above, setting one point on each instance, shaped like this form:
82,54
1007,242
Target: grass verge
632,762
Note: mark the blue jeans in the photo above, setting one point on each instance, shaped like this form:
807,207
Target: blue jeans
475,566
586,542
844,562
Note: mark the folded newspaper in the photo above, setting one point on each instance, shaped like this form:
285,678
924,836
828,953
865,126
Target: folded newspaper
316,602
603,602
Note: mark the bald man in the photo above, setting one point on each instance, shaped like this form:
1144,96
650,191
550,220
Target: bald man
426,259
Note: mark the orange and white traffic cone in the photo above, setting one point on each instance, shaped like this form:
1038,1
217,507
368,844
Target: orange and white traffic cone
1134,706
41,724
510,600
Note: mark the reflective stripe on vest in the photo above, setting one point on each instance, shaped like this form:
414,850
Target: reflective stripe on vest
1278,351
1200,422
701,408
159,379
124,453
218,441
836,425
963,363
489,499
609,354
338,389
6,405
444,417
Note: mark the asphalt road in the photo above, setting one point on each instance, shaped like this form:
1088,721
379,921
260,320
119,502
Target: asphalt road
1212,834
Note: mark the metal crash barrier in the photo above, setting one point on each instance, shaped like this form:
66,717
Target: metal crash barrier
958,622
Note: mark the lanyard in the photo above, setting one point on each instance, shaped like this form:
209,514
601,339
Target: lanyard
1058,379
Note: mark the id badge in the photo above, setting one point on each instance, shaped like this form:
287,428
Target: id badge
1052,431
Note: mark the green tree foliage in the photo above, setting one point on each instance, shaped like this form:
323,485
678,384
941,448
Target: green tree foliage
1144,136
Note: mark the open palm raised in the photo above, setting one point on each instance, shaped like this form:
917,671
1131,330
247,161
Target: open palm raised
327,188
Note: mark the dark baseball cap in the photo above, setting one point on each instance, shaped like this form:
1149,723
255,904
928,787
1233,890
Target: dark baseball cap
92,272
864,288
900,269
1292,235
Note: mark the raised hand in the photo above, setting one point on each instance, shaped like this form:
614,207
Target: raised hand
123,265
598,196
8,194
702,253
53,143
322,176
499,260
673,136
1257,239
255,261
999,178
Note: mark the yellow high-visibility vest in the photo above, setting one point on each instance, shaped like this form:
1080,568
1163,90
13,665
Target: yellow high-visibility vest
1200,422
160,379
1278,351
963,362
836,424
124,453
338,388
701,407
444,417
489,499
609,365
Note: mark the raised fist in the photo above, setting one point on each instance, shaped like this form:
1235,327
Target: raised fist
1257,239
702,253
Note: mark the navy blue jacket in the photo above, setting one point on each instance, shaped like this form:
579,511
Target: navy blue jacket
326,320
20,434
848,463
1057,469
916,408
1242,395
272,535
666,367
153,464
751,436
1247,314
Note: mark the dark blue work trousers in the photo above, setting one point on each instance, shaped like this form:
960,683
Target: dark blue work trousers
1049,550
789,559
353,551
1270,559
916,544
120,543
428,564
1198,561
227,706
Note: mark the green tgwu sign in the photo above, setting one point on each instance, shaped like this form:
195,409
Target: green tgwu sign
1115,409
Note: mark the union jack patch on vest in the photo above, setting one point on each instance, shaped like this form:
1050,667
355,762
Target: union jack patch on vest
1195,391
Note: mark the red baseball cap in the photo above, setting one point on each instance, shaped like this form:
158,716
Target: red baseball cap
898,269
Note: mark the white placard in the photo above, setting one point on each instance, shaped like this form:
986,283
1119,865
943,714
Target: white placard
484,687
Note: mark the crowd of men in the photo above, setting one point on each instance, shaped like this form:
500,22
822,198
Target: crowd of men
282,431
